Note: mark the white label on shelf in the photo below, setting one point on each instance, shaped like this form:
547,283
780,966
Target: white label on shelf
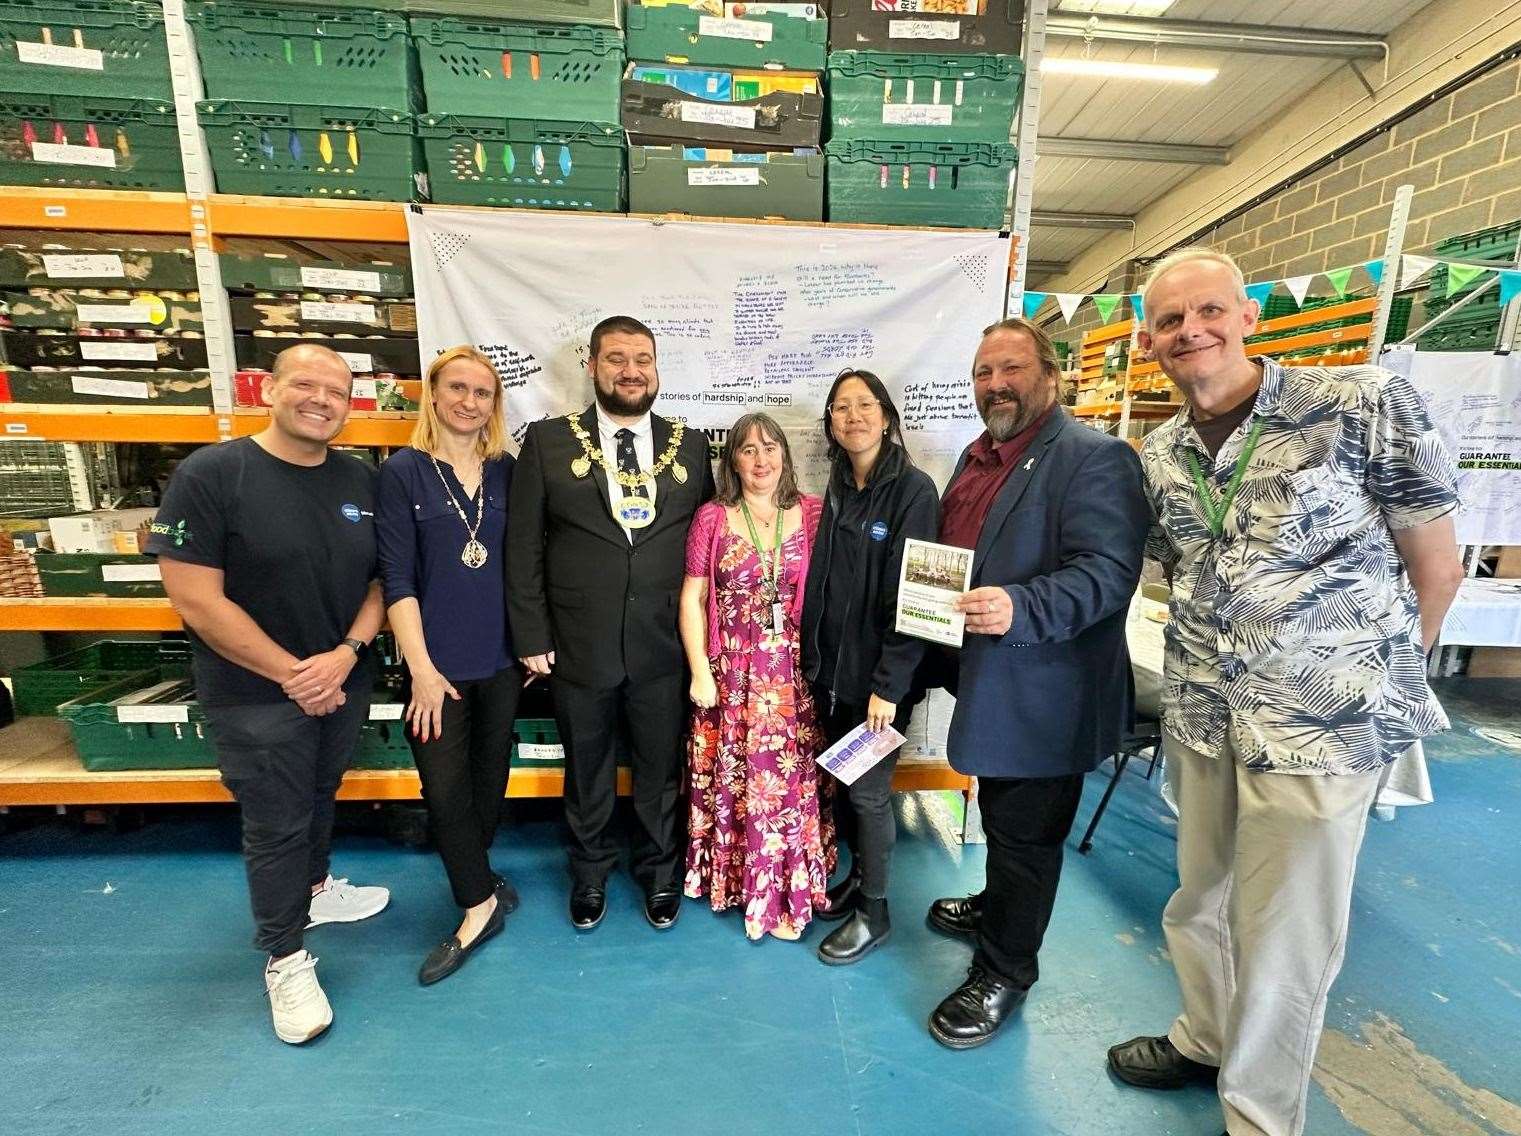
797,11
358,362
530,751
54,55
363,388
718,175
345,280
757,30
99,350
72,265
116,388
718,115
385,711
59,154
337,313
916,114
114,313
130,573
923,29
167,712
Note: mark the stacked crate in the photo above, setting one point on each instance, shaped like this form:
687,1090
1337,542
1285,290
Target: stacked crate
922,98
724,108
1477,326
85,96
522,105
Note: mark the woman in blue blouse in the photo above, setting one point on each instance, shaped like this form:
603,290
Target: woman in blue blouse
442,532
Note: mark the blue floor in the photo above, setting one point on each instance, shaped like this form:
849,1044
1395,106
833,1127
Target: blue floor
130,1001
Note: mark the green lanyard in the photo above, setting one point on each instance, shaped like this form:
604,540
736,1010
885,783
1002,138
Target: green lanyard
1215,509
776,550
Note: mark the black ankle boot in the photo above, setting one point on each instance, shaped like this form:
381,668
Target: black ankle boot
841,898
867,928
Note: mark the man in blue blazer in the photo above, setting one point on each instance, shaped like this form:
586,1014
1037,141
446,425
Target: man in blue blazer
1057,516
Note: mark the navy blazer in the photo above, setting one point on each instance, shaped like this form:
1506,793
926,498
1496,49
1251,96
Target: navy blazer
1054,695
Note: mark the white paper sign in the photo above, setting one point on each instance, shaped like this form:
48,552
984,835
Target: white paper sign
756,30
52,55
717,115
858,751
100,350
73,265
932,577
923,29
385,711
530,751
116,388
168,712
130,573
718,175
363,388
917,114
114,313
56,153
337,313
358,361
340,279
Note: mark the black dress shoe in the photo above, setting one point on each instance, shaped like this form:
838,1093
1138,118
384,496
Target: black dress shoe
588,903
661,908
1155,1063
956,915
444,959
867,929
971,1014
840,899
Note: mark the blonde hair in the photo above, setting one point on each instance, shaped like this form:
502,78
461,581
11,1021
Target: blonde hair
1188,256
492,442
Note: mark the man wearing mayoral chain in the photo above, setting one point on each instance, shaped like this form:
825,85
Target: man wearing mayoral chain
598,516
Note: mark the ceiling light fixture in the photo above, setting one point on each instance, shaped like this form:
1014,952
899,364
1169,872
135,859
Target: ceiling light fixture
1111,69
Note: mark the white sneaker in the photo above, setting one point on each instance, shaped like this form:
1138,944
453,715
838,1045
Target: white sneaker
342,902
296,1000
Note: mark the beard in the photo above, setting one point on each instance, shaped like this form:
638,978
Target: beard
622,405
1008,413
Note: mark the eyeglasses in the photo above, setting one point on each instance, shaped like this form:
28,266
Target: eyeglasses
862,407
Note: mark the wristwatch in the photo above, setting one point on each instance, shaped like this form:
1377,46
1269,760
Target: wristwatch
358,646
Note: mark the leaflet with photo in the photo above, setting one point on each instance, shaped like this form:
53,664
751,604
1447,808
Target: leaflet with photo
932,578
858,751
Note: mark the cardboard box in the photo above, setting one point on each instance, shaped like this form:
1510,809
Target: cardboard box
105,531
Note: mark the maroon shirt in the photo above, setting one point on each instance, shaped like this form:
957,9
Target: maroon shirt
971,495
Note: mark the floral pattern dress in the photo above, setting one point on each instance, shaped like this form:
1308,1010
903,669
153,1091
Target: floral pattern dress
759,833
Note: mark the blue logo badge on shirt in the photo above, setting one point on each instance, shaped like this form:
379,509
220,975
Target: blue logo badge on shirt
879,530
351,512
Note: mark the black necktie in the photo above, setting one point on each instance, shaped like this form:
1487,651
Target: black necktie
628,461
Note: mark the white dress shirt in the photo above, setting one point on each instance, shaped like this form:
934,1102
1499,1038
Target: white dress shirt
644,450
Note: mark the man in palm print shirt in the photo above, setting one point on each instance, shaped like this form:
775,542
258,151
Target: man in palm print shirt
1303,517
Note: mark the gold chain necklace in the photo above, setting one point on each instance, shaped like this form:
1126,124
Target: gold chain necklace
581,466
473,555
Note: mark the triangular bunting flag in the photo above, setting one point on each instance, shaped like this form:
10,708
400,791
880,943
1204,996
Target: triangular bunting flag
1260,292
1033,301
1412,268
1068,302
1106,302
1510,285
1338,278
1459,276
1299,287
1136,308
1375,271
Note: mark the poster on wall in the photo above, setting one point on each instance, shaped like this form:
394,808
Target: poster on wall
746,317
1474,398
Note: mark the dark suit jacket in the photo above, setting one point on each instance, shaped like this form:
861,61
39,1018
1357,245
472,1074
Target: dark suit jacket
1054,696
575,584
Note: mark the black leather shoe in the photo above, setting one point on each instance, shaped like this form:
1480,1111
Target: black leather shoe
956,915
588,903
1155,1063
971,1014
867,929
444,959
661,908
841,899
506,894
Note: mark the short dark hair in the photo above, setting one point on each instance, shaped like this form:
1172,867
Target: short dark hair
729,490
878,388
626,324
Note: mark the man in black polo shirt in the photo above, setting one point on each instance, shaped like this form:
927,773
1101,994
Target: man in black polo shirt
267,546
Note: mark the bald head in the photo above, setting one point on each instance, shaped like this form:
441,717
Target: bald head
310,355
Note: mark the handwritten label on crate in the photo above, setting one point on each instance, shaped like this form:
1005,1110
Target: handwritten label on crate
385,711
757,30
114,388
55,55
74,265
130,573
531,751
363,389
102,350
135,312
916,114
165,712
715,115
341,279
717,175
358,361
318,310
59,154
923,29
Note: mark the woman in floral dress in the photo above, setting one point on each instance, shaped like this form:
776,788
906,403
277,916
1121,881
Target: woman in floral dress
759,835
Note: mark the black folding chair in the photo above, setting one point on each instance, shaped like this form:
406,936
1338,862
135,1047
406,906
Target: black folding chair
1145,736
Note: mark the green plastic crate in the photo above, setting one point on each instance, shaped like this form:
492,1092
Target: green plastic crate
107,744
113,575
523,164
93,142
41,687
957,184
874,96
84,47
705,182
678,33
273,273
1497,243
523,71
319,55
538,732
1464,332
277,149
599,13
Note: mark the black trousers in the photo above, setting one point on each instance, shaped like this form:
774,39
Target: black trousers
464,777
863,812
651,716
284,768
1026,820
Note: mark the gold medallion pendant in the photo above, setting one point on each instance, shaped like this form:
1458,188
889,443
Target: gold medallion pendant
580,467
679,472
635,512
473,554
